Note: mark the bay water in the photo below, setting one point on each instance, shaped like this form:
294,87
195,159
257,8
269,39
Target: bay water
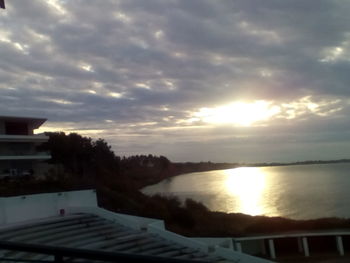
296,191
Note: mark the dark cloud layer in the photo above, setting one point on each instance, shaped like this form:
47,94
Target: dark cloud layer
136,73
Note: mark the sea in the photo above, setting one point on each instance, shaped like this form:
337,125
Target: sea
295,191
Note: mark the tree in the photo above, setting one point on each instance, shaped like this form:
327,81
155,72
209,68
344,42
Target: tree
81,156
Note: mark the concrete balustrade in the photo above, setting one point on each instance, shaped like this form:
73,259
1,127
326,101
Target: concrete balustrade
340,246
272,249
238,247
305,247
250,245
300,245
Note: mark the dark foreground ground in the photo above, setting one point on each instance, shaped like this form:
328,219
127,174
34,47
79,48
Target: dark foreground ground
319,258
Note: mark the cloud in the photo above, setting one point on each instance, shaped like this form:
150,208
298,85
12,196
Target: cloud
135,72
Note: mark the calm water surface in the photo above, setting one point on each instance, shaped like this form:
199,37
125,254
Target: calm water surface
298,191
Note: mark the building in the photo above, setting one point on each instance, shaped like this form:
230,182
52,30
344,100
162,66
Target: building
18,146
70,226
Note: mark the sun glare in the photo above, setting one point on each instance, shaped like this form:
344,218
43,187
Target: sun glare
248,184
238,113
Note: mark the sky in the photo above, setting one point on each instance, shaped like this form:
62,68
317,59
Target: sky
193,80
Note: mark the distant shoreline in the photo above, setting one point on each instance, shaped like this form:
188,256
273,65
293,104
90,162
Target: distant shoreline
223,166
298,163
192,167
181,168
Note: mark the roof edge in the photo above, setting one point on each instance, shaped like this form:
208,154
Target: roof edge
36,122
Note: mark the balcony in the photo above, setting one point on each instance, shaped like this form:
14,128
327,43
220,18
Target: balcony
23,138
26,156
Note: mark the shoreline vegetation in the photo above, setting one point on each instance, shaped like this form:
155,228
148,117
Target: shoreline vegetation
81,163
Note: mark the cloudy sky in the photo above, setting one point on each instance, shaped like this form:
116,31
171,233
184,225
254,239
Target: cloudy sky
194,80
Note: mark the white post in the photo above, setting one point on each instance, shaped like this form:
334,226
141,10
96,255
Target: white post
300,245
272,248
238,247
340,246
263,247
305,247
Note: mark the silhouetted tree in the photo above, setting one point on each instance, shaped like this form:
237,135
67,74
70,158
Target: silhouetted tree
81,156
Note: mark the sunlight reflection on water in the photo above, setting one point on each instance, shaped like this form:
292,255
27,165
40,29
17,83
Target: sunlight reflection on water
300,192
243,190
247,184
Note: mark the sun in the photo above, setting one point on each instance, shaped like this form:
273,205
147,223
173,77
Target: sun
238,113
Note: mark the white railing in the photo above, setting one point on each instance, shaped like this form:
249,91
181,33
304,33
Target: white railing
34,156
23,138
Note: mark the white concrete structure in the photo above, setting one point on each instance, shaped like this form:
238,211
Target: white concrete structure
73,219
18,146
265,245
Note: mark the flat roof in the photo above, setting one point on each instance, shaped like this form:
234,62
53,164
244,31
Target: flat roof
91,232
36,122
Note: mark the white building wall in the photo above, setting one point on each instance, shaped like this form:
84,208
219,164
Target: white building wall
23,208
